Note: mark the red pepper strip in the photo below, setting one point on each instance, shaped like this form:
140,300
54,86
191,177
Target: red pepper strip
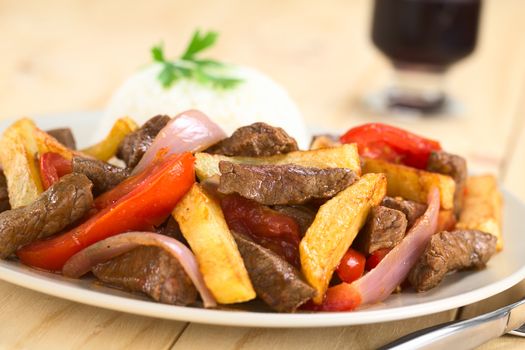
110,197
52,167
146,205
377,140
378,284
269,228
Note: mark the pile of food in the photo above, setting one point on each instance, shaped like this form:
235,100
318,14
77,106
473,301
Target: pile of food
196,217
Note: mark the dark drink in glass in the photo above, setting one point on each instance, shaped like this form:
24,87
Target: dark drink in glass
425,37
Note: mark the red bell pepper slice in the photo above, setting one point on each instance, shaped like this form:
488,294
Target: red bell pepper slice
52,167
110,197
146,205
378,140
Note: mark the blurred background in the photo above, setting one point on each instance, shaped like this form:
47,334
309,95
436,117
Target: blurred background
60,56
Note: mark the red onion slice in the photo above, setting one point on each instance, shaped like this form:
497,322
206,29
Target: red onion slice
379,283
102,251
190,131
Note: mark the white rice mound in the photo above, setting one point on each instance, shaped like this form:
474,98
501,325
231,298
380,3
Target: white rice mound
257,98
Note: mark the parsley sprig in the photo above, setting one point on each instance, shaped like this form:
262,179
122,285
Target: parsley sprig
190,66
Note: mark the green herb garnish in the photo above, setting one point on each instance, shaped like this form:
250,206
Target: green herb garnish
189,66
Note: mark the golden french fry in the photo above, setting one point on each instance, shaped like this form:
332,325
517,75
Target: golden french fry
413,184
17,155
107,148
345,156
446,220
203,225
482,207
334,228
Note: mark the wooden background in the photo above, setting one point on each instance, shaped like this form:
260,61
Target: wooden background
59,56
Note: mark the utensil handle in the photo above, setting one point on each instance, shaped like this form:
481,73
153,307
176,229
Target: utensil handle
458,335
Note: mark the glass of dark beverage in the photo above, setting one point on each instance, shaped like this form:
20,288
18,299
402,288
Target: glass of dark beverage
423,38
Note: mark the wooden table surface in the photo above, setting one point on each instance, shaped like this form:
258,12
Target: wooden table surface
59,56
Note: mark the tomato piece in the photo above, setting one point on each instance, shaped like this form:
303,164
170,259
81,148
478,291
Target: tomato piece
352,266
342,297
146,205
378,140
269,228
375,258
52,167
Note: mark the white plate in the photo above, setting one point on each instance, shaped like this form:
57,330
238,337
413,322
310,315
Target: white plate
504,270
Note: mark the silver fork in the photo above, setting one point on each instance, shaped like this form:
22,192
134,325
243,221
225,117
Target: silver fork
467,334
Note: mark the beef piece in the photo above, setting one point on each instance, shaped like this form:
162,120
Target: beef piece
149,270
171,228
324,141
65,202
448,251
256,140
135,144
275,281
4,195
283,184
103,175
384,228
412,210
303,215
454,166
64,136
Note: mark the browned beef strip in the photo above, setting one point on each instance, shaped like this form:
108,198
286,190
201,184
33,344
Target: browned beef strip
255,140
65,202
149,270
103,175
171,228
283,184
275,281
448,251
412,210
64,136
384,228
303,215
4,195
454,166
135,144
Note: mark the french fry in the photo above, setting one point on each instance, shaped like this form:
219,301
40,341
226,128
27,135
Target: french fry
17,155
482,207
324,141
446,220
21,144
203,225
107,148
345,156
411,183
334,228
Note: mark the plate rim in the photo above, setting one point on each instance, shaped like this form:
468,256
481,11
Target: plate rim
31,280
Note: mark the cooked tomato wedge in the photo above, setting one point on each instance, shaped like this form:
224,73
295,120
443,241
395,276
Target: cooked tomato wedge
375,258
352,266
269,228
